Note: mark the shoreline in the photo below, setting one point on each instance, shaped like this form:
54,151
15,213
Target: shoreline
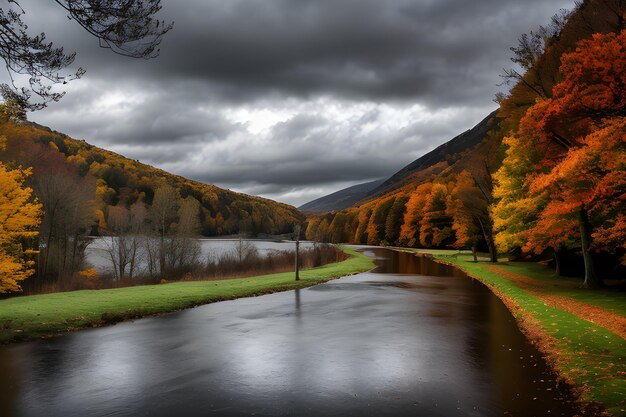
551,347
44,316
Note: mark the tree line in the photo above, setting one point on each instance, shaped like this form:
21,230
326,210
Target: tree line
76,191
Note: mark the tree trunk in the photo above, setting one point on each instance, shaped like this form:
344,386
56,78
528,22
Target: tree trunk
492,245
474,253
557,263
591,279
162,256
488,236
133,258
150,253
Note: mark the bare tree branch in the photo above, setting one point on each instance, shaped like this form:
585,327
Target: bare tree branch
127,27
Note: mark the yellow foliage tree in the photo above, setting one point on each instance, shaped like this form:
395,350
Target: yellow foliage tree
20,217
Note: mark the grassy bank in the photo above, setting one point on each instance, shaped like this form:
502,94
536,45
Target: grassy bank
577,329
31,317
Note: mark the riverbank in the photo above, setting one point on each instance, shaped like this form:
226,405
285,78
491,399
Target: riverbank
580,331
40,316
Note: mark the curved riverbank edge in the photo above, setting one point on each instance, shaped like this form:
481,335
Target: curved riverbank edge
587,357
48,315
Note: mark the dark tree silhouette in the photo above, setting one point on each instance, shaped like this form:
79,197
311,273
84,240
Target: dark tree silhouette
127,27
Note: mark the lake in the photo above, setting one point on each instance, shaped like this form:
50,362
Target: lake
98,257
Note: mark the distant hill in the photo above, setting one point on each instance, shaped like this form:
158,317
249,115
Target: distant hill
341,199
122,181
449,152
421,189
427,166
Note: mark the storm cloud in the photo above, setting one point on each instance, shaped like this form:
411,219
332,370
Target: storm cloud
291,99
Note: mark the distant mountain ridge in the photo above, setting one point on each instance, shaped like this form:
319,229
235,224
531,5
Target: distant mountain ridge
448,152
428,165
342,199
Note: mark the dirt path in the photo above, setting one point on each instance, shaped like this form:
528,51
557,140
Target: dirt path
597,315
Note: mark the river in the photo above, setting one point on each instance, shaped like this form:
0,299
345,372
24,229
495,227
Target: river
411,338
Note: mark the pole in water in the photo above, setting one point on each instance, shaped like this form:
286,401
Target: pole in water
296,232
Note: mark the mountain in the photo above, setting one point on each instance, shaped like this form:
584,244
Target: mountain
449,152
341,199
428,165
109,179
413,206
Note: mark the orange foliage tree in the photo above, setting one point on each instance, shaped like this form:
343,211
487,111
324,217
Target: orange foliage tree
571,153
436,225
468,207
409,231
19,221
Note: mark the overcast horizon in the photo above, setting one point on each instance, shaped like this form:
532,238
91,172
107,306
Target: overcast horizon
291,100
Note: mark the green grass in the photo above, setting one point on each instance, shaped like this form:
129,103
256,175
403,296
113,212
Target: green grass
31,317
590,356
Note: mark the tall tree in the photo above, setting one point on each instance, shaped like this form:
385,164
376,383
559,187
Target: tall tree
124,247
410,230
163,215
184,247
468,206
394,219
69,214
436,225
565,142
19,221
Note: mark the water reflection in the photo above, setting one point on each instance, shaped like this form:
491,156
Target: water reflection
409,339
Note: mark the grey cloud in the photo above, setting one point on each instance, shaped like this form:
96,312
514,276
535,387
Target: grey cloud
431,51
223,56
309,150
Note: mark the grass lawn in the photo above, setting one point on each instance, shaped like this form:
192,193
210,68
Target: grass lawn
31,317
587,355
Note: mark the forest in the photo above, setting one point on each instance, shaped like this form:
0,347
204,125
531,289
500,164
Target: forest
547,182
59,192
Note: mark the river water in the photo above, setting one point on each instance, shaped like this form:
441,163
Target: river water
412,338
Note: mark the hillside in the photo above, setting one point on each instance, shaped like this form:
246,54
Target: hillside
341,199
389,213
449,153
109,179
426,166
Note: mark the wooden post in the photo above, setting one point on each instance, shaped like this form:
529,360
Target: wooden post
296,231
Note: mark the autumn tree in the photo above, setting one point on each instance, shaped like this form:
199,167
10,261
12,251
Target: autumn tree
69,214
337,228
394,219
436,225
409,231
19,221
560,144
322,234
360,233
469,210
378,218
128,28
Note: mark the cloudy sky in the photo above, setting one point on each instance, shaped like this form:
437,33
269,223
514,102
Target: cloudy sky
291,99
